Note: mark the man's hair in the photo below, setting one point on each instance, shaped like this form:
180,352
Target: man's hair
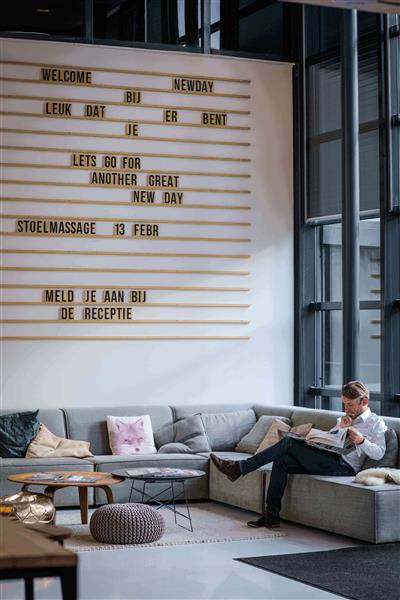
355,390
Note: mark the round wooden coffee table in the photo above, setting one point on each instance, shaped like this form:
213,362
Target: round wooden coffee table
97,480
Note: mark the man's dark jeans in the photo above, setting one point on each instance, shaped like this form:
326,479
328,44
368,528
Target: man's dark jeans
293,456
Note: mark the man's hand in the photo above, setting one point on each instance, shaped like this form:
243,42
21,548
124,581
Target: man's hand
355,436
345,421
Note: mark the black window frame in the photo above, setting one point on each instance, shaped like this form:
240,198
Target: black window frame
308,311
206,28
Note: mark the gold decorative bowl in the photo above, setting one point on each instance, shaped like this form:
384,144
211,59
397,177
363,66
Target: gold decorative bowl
28,507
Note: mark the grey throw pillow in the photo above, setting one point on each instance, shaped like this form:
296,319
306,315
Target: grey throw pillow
164,435
174,448
189,437
389,459
224,430
250,442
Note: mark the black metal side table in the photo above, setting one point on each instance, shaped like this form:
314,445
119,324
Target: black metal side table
165,475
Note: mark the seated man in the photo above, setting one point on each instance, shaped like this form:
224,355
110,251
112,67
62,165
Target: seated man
289,455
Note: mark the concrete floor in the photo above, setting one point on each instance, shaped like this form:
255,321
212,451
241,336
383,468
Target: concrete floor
194,571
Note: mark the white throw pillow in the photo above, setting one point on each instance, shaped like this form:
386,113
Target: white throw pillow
131,435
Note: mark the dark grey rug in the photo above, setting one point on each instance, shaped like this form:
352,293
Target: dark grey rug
363,573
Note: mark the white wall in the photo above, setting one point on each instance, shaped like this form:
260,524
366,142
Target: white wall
56,373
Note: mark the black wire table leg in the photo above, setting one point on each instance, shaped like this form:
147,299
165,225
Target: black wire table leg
130,495
173,499
187,505
167,497
143,491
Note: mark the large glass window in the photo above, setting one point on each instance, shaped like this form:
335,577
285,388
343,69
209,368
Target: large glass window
263,28
50,18
119,20
248,26
175,22
329,293
319,367
171,22
324,122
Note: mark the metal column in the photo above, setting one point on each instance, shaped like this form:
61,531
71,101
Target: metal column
206,26
350,197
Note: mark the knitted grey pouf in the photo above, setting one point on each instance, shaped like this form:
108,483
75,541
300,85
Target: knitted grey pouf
126,524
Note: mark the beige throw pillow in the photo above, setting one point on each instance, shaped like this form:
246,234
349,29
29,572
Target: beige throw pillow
274,433
49,445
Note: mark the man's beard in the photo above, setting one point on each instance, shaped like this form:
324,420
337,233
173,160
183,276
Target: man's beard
356,414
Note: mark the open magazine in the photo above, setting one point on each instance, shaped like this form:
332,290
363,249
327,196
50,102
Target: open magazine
62,478
335,440
159,472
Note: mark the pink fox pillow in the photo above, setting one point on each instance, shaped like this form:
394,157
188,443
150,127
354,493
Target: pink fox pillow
131,435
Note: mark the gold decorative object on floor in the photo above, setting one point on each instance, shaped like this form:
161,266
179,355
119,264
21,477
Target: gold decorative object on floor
28,507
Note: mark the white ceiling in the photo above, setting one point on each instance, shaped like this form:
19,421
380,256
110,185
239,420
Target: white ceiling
381,6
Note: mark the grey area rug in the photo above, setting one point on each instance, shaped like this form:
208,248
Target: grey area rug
211,523
363,573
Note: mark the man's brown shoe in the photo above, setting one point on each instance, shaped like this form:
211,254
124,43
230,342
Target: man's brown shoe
230,468
268,520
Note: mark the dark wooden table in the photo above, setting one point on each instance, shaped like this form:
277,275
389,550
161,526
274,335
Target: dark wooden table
26,554
52,532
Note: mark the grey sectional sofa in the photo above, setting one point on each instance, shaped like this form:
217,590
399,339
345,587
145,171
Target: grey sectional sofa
335,504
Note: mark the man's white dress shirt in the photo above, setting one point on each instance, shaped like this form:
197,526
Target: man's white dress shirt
373,428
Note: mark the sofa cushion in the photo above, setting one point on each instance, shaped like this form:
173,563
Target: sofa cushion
273,410
174,448
185,410
246,492
189,437
389,459
111,462
232,455
31,464
91,423
164,435
321,419
17,430
224,430
313,500
250,442
53,418
277,430
46,444
131,435
190,431
393,423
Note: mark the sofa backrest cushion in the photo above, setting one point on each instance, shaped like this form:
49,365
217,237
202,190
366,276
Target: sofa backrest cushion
321,419
90,424
393,423
225,430
250,442
181,411
273,410
389,459
53,418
